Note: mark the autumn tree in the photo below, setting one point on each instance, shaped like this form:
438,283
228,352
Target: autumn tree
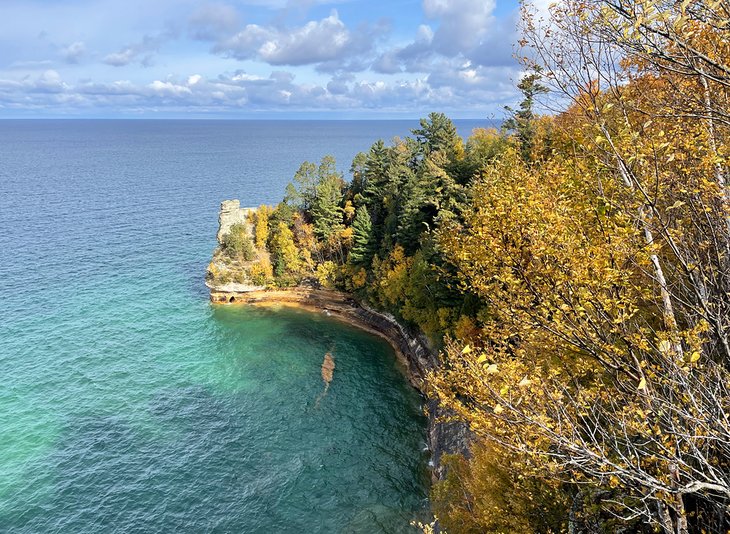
605,271
261,226
284,251
574,370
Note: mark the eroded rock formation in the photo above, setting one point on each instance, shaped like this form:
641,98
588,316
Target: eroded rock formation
232,213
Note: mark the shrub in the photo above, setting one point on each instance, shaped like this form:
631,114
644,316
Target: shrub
262,272
237,243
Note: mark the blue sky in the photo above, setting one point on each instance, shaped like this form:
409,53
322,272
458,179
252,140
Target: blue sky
257,58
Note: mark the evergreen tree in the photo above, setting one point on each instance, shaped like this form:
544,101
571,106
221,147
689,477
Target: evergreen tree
326,209
374,175
362,238
357,185
398,173
438,133
426,196
522,121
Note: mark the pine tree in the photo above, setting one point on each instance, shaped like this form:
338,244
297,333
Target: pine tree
326,209
522,121
362,238
438,133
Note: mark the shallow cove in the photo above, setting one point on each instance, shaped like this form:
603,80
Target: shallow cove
237,441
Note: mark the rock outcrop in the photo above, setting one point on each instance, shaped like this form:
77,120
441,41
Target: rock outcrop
232,213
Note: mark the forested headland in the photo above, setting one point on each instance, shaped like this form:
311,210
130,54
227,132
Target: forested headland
572,267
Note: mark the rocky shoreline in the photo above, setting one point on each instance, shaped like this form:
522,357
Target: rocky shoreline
412,349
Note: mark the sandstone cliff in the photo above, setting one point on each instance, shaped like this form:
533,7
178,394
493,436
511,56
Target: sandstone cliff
232,213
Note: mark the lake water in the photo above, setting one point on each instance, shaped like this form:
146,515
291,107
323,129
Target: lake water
128,403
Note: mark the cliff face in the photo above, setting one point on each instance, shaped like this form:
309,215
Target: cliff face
232,213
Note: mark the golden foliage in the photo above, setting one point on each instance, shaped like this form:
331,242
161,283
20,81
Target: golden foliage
326,274
488,494
261,227
262,272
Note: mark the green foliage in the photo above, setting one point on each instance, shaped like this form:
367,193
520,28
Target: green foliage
362,238
438,133
238,244
302,195
358,170
522,121
326,209
430,193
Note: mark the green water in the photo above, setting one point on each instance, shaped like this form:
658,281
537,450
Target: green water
128,403
209,426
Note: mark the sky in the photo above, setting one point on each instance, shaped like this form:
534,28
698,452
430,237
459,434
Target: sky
257,58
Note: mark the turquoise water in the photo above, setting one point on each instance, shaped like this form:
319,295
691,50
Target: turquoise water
129,403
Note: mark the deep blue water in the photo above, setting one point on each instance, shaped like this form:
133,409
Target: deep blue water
130,404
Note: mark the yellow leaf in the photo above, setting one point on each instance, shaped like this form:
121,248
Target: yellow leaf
491,369
482,358
466,349
498,409
504,390
676,205
642,384
525,382
695,356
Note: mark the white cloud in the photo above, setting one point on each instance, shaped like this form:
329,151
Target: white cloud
169,88
73,52
463,23
478,89
313,43
459,59
50,81
141,51
321,42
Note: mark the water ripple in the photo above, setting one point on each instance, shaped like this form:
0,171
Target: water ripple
128,403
